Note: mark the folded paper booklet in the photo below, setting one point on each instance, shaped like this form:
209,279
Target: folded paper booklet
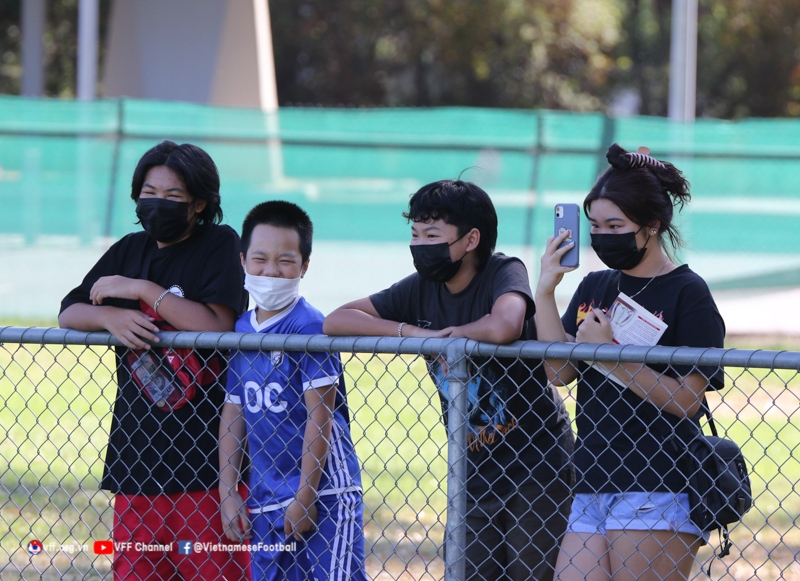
631,324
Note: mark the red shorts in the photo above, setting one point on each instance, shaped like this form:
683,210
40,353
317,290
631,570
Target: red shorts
166,519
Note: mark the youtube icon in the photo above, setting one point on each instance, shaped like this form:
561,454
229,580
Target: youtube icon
103,547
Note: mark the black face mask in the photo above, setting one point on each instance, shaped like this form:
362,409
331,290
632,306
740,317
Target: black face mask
433,262
164,220
618,251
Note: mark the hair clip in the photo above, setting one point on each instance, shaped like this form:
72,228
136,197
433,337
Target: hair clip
642,158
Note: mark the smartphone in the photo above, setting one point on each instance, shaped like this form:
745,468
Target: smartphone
568,217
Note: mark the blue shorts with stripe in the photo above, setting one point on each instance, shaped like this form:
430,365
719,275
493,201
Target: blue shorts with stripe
335,551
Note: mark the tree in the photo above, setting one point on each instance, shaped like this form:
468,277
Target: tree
748,62
10,67
60,46
494,53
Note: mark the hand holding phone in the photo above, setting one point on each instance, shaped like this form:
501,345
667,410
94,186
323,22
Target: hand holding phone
568,217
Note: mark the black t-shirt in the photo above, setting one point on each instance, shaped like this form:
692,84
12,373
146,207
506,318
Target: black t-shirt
518,430
151,451
620,435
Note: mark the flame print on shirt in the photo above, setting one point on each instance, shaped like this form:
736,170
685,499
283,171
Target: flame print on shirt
583,310
487,413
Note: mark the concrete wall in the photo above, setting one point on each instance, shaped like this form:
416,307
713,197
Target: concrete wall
202,51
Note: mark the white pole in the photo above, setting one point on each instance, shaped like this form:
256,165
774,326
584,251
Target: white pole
683,61
88,20
268,87
677,60
34,15
690,82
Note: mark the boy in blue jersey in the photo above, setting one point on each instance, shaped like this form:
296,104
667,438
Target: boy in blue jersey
305,505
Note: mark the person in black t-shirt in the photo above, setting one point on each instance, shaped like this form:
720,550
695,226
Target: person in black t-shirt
182,272
630,517
519,475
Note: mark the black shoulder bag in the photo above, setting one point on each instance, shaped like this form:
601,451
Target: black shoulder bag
717,480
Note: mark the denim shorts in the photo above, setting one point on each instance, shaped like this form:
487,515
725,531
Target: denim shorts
635,511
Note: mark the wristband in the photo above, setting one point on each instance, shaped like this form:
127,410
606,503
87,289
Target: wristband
400,329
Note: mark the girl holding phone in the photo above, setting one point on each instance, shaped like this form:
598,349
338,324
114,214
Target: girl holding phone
630,517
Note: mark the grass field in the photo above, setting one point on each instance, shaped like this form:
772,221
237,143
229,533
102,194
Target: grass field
55,405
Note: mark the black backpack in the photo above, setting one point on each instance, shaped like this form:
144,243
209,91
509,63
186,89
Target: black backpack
717,479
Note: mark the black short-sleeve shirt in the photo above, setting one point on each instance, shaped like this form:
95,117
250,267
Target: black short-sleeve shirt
151,451
518,429
620,435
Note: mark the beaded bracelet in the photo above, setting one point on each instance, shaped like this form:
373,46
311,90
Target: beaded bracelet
174,289
158,300
400,329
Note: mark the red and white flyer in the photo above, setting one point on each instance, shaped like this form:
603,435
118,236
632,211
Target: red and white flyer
631,324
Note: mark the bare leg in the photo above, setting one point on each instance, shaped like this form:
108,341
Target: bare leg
651,555
583,557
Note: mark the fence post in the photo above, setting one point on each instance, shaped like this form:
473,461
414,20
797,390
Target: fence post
456,528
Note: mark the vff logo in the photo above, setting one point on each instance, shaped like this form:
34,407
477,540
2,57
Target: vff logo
34,547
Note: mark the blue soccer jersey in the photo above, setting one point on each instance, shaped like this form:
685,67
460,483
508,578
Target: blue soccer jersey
269,386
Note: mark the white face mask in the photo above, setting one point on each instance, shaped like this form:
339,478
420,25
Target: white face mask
271,293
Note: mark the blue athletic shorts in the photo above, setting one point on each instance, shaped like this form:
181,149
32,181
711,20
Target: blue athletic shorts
335,551
635,511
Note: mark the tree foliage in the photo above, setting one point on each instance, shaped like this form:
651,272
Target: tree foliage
10,66
748,57
60,45
750,50
493,53
560,54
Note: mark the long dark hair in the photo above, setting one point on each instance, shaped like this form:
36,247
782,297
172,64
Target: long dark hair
644,188
194,166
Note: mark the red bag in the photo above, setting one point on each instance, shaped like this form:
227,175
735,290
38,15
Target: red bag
169,377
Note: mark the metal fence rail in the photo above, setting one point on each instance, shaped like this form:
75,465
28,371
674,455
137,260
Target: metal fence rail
58,387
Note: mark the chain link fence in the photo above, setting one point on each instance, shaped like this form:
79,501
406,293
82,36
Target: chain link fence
58,389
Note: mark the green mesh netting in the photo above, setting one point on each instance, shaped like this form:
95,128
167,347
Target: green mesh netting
65,166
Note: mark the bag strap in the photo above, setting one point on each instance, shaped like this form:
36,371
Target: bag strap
707,411
725,545
724,536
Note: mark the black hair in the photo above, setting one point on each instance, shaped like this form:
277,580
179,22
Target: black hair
461,204
283,215
194,166
644,188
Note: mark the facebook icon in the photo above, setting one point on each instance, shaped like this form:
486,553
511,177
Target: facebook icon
185,547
